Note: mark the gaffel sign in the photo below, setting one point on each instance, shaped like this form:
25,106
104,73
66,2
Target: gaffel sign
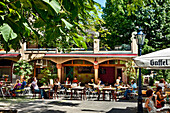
160,62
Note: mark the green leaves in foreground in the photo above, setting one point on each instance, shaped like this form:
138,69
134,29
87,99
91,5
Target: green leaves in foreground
68,25
48,23
7,32
54,4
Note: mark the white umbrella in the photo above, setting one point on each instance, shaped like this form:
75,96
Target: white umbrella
155,60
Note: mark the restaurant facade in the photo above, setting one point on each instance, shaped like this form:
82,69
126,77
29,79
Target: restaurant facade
84,64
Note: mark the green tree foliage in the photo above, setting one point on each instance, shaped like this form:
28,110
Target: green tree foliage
23,68
123,16
163,74
50,23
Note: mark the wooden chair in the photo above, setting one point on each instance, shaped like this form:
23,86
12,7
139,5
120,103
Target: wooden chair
2,92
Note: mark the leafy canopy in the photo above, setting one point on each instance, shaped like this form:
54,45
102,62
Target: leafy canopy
123,16
50,23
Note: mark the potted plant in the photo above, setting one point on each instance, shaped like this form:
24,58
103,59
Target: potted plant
129,70
47,75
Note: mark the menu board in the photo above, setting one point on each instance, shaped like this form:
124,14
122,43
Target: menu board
85,69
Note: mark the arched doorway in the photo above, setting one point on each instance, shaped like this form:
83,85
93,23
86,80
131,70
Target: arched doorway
110,69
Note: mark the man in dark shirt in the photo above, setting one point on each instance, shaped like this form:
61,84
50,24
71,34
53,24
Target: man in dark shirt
91,81
23,83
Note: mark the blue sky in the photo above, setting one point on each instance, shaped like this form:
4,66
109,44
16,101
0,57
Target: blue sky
102,2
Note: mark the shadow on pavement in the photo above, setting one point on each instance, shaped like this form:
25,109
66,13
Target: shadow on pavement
127,100
92,110
53,111
45,111
63,104
127,110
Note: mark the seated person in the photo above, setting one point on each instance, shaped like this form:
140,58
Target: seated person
91,81
160,97
67,82
91,84
131,90
118,80
56,83
149,104
117,83
75,80
162,84
23,83
99,82
17,84
1,83
36,88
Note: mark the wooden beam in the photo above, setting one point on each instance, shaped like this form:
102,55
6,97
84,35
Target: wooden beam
111,65
77,64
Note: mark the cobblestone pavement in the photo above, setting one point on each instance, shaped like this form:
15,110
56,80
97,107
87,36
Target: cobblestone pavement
68,106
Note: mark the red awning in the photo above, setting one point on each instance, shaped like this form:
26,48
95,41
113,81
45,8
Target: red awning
90,55
8,55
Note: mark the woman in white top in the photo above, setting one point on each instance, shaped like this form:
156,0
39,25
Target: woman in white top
36,89
149,104
34,84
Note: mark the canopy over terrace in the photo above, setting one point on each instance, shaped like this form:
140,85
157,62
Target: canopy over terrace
10,56
155,60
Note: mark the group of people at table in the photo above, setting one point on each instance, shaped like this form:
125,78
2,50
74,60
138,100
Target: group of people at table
13,89
100,84
155,101
150,103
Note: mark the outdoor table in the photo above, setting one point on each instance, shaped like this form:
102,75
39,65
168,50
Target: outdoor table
167,92
67,86
124,87
108,89
82,89
45,88
94,85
